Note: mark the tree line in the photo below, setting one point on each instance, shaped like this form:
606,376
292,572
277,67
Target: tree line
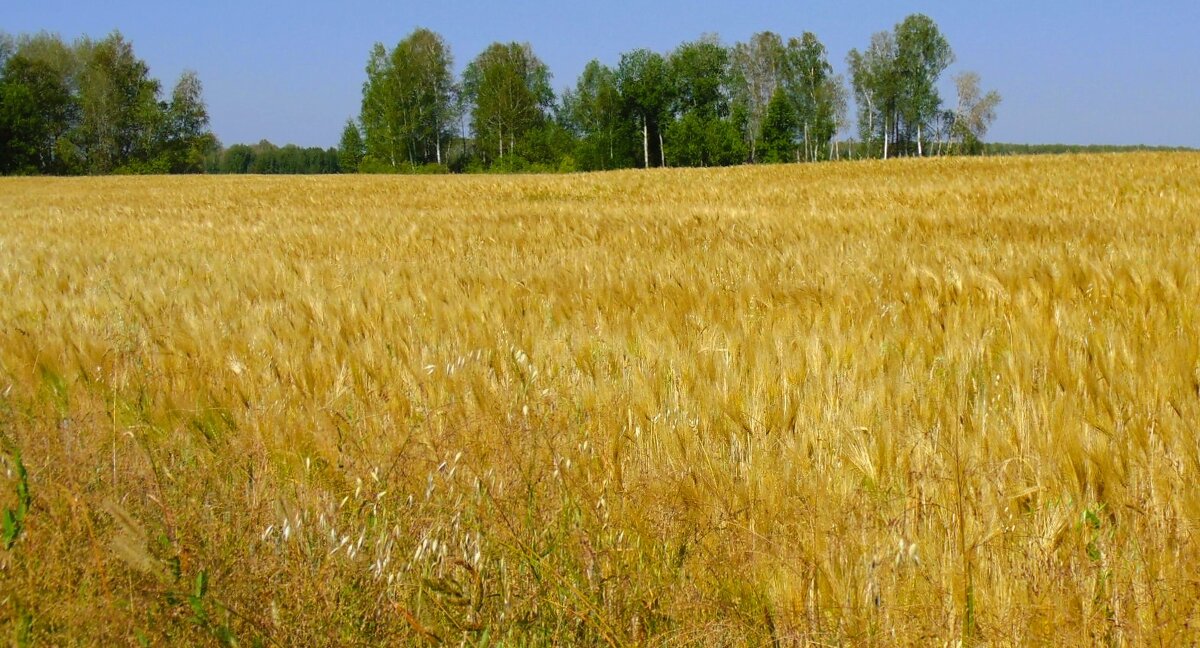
1006,148
90,107
268,158
768,99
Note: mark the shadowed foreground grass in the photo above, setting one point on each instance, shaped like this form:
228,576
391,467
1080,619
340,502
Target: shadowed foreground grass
862,404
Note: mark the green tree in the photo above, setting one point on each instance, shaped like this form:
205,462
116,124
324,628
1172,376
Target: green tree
238,158
646,90
508,88
895,84
756,71
266,158
700,133
92,107
56,64
696,140
922,54
594,111
699,71
186,139
408,107
779,129
383,130
121,116
874,78
424,64
810,86
351,149
36,110
548,147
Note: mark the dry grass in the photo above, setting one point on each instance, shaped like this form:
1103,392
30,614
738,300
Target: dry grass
862,404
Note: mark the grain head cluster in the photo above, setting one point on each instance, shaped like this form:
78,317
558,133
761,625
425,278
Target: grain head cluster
912,402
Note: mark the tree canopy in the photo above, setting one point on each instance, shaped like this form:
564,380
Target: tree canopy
408,106
91,106
267,158
508,88
895,84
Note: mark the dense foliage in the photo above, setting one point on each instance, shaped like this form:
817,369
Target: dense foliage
90,107
769,99
408,105
265,157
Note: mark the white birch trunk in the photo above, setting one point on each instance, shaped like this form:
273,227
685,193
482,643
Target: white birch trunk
807,147
645,142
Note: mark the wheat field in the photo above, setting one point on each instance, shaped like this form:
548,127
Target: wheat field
920,402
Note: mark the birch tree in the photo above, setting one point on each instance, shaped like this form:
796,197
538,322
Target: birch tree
922,54
975,113
873,75
187,138
120,113
756,67
839,100
895,83
508,88
408,105
595,112
645,85
424,65
808,82
381,117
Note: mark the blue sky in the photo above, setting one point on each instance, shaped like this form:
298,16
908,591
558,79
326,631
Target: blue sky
1070,71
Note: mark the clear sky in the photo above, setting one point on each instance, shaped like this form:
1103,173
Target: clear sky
1070,71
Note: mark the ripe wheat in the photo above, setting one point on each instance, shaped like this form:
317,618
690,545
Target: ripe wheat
914,402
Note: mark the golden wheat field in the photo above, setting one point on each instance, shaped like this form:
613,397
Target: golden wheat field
901,403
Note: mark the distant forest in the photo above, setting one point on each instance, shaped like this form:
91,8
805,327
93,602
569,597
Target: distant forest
265,157
91,107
